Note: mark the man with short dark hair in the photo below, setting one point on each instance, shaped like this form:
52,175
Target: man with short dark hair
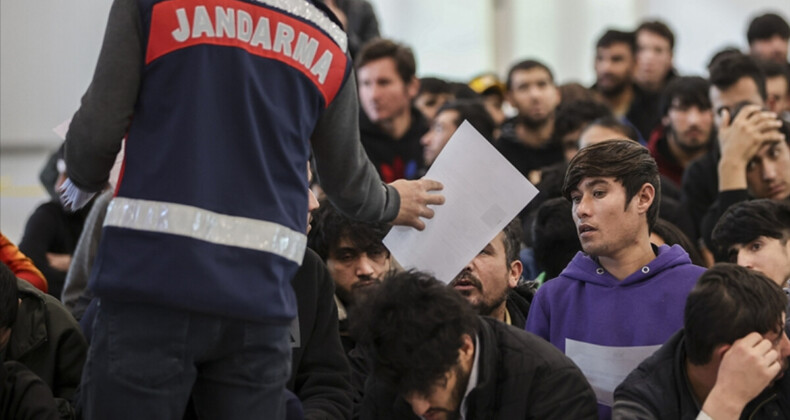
390,126
754,234
490,282
615,61
686,127
433,93
355,256
713,369
768,37
777,87
654,45
448,118
433,357
615,191
755,155
526,138
734,78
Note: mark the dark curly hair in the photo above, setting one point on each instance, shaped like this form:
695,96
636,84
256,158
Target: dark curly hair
330,226
412,327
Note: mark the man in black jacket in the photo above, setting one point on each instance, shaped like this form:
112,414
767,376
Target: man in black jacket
732,369
434,358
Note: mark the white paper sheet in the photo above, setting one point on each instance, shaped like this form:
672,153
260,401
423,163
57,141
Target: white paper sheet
606,366
483,193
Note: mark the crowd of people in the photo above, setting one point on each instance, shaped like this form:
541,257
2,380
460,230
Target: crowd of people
235,266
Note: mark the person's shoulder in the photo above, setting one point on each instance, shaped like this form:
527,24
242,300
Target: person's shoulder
516,344
652,384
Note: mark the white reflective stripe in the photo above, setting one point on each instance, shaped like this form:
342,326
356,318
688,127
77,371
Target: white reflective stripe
311,13
205,225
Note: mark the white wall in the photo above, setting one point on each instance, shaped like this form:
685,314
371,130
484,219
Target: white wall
47,54
48,49
560,32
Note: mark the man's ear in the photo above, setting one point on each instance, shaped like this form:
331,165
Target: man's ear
718,353
467,350
516,268
645,196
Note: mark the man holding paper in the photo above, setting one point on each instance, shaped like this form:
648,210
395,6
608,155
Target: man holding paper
623,297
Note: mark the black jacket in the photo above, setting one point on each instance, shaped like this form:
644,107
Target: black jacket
521,376
658,389
23,395
700,188
320,374
48,341
395,158
517,304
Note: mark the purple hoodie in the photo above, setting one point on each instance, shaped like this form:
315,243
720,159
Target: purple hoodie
591,307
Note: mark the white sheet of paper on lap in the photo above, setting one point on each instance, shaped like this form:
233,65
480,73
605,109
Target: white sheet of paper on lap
483,193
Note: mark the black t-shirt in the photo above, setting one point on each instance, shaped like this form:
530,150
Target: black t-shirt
395,158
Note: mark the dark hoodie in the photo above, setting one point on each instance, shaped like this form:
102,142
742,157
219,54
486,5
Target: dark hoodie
590,306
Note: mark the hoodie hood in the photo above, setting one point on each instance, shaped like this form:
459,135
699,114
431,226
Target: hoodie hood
585,269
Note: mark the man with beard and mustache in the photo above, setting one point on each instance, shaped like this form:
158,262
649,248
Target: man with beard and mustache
355,256
615,61
714,369
434,358
490,281
526,138
686,127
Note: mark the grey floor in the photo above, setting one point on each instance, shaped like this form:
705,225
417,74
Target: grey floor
20,190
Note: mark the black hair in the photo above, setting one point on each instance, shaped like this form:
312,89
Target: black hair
627,161
771,69
659,28
613,123
766,26
512,240
728,69
475,112
688,91
524,66
672,235
330,226
613,36
571,116
379,48
9,297
744,222
434,85
462,91
554,237
728,303
412,327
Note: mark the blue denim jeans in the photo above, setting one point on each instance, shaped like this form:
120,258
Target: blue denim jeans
145,361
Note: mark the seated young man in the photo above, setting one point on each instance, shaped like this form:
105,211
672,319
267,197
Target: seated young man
727,363
490,281
754,234
433,357
355,256
621,298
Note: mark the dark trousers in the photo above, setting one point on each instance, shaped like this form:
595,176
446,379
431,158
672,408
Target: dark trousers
145,361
